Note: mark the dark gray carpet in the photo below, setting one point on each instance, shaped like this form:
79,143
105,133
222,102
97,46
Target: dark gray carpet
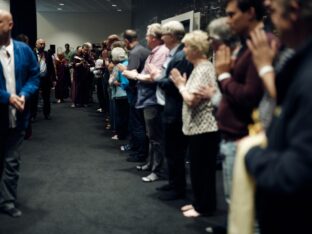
75,180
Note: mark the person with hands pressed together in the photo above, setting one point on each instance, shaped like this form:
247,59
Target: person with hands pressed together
19,79
168,95
199,124
241,87
282,169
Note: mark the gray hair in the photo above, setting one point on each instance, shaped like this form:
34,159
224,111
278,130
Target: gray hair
174,28
218,29
154,30
119,54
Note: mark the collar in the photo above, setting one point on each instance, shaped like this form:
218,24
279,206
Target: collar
156,49
174,50
9,47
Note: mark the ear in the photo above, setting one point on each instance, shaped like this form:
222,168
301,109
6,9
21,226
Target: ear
294,10
252,13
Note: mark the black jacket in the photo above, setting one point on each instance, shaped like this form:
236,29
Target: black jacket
173,99
50,77
283,170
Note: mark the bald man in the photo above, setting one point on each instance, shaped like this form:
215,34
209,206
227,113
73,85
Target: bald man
47,77
19,79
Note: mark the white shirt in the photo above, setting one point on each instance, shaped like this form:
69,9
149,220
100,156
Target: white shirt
160,96
7,62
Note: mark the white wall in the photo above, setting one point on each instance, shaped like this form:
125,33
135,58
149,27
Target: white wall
5,5
77,28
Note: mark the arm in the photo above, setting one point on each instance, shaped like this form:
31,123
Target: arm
179,81
182,65
288,170
263,53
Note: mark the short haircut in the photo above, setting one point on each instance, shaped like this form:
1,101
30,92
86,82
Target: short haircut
174,28
154,30
66,44
197,40
245,5
219,29
119,54
121,44
130,35
86,45
23,38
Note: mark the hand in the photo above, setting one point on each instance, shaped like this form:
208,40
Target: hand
263,52
153,71
130,74
54,83
110,67
17,102
223,60
121,67
116,83
205,92
176,77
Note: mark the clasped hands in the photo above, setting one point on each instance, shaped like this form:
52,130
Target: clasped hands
17,101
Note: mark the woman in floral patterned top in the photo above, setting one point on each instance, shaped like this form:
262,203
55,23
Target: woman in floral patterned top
199,125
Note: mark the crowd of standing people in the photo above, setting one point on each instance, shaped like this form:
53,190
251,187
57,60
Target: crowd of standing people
198,96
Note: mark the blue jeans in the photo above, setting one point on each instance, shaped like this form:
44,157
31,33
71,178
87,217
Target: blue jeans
10,163
228,151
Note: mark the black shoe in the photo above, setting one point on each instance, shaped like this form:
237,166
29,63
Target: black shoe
136,159
47,117
165,188
126,147
11,210
171,196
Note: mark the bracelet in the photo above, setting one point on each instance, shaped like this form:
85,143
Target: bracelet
265,69
224,76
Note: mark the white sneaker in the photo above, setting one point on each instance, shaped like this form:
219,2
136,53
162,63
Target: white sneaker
99,110
115,137
151,177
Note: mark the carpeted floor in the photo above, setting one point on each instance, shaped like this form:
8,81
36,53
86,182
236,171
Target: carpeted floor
75,180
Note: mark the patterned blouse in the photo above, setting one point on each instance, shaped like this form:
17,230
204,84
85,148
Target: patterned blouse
199,119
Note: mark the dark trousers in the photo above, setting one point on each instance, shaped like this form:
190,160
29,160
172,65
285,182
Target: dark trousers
10,164
81,97
100,92
203,150
153,123
122,117
45,88
175,143
138,139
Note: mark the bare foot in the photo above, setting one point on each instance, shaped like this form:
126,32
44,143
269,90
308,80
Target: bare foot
191,213
187,207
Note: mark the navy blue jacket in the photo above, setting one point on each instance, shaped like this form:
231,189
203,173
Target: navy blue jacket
173,99
283,170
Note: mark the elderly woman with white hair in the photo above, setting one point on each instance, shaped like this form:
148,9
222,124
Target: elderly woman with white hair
199,124
119,83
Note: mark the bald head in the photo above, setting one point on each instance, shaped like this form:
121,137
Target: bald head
6,15
6,25
40,44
